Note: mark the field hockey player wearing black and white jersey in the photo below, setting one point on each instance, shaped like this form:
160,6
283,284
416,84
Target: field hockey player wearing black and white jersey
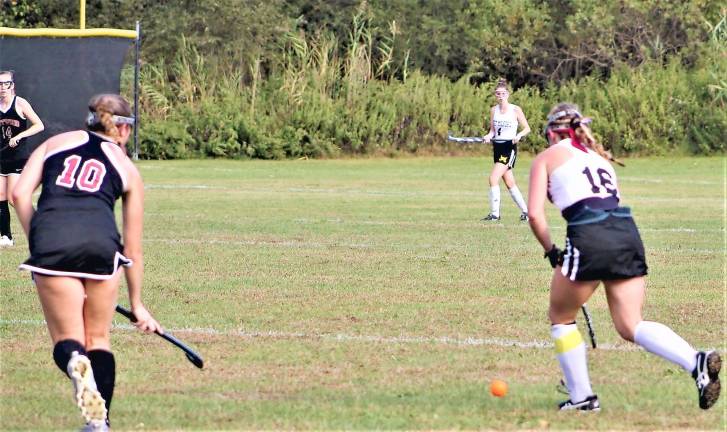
602,245
504,121
76,250
18,121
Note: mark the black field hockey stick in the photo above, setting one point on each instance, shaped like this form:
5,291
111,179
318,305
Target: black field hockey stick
189,352
589,324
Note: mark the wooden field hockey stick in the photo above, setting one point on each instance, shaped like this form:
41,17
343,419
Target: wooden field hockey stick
189,352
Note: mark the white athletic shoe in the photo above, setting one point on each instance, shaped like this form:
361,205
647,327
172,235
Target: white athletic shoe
95,426
6,241
85,392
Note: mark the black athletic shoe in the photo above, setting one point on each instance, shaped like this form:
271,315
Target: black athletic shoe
706,375
524,217
490,217
588,404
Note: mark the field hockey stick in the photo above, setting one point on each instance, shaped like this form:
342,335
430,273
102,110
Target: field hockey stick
191,355
589,324
464,139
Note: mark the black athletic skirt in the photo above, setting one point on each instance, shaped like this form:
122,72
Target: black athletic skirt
77,245
603,245
9,167
504,152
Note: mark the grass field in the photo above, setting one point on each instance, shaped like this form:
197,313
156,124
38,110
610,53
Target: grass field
366,294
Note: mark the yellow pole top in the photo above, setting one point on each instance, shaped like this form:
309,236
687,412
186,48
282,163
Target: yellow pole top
83,15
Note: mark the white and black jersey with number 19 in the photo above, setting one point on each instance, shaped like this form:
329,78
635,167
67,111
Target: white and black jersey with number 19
73,232
602,241
585,176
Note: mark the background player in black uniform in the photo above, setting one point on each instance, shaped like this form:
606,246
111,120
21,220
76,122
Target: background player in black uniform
76,249
602,245
15,113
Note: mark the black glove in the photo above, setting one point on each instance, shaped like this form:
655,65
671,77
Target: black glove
555,256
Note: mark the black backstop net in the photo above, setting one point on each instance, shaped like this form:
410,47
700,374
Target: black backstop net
58,76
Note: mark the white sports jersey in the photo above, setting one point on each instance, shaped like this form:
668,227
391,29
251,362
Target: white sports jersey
505,124
585,175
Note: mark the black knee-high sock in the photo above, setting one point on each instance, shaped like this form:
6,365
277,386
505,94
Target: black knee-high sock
104,371
5,219
62,352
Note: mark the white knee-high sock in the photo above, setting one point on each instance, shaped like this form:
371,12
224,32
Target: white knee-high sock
495,200
518,198
659,339
571,352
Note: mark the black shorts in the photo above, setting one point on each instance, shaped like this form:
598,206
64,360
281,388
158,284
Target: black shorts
69,245
12,166
504,152
603,245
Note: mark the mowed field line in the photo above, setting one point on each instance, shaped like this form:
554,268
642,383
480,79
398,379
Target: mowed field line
319,245
384,192
350,338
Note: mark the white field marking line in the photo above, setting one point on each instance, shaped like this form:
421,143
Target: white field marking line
653,180
334,191
342,337
468,223
689,200
373,192
316,245
284,243
621,178
183,186
454,223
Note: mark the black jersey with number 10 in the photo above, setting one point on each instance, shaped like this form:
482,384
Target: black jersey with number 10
74,230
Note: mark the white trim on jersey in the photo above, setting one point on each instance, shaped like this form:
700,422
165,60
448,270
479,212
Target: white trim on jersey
66,147
110,154
117,258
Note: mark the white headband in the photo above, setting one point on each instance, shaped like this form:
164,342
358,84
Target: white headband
92,119
555,116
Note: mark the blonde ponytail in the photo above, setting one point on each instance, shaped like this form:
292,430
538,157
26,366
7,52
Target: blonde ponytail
108,124
586,137
104,111
566,114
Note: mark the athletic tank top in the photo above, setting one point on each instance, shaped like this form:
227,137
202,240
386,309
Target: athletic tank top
505,124
11,124
84,175
584,176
